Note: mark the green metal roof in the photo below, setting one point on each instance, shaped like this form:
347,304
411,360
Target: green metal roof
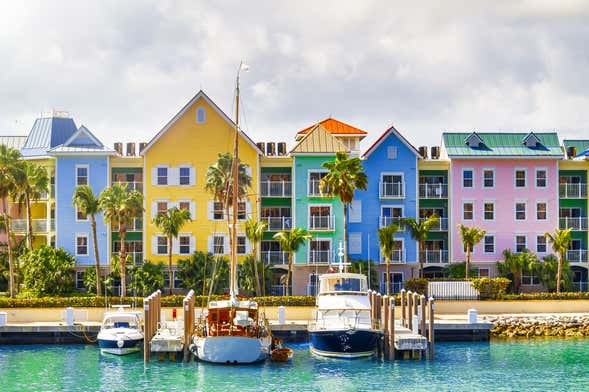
502,144
581,145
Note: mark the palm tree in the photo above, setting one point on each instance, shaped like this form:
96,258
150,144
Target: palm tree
8,162
386,239
420,230
470,237
514,264
290,241
344,177
560,241
119,207
170,223
89,205
31,181
254,232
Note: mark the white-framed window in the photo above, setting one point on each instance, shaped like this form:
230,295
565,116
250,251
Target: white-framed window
218,244
489,210
80,216
80,280
519,178
488,178
391,152
218,210
541,211
541,178
489,243
392,184
320,217
314,183
82,174
241,210
521,243
520,210
162,245
82,244
467,210
320,251
541,244
184,205
241,245
467,178
529,279
201,115
184,175
161,207
162,175
184,244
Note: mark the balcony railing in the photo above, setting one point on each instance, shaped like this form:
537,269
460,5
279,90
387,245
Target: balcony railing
391,190
276,188
277,223
39,225
136,257
275,257
136,225
393,287
575,223
131,185
321,222
397,257
277,290
388,220
434,256
433,191
581,286
314,189
319,256
577,255
572,191
312,289
441,226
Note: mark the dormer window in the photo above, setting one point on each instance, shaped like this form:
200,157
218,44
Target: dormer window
201,115
473,140
531,140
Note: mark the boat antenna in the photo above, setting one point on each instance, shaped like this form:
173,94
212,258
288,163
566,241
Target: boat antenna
340,256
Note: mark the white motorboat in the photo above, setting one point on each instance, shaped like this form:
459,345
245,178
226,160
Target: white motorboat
121,332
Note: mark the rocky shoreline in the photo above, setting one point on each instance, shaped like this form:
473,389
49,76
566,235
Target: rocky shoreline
540,326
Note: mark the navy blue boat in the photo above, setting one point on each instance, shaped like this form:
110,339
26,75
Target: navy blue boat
121,333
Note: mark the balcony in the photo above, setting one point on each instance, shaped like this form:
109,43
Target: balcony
572,191
136,225
434,256
314,189
573,223
131,186
433,191
397,257
441,226
322,222
577,256
276,188
319,257
391,190
39,225
278,223
274,257
312,289
385,221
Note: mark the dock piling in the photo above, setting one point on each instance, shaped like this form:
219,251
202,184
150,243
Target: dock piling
430,334
403,299
188,308
391,340
385,318
409,310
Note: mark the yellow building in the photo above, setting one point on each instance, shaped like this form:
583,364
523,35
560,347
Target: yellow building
176,161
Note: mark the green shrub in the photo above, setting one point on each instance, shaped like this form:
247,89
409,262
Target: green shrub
48,271
417,285
491,288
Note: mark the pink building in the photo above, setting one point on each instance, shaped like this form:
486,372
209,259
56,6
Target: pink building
506,184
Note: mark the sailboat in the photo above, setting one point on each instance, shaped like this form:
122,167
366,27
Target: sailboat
232,331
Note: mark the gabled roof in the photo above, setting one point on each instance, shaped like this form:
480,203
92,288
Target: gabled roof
13,141
384,136
334,127
83,137
48,132
83,142
531,139
501,144
205,97
319,141
473,140
581,145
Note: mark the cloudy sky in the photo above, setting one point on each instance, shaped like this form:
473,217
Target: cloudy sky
124,68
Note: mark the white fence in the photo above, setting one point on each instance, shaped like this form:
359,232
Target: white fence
452,290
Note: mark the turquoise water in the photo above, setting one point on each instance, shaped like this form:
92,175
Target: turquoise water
539,365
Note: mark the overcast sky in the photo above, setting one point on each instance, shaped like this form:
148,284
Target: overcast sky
124,68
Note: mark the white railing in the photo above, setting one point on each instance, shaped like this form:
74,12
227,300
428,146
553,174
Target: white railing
433,191
391,190
577,255
277,223
388,220
441,226
434,256
321,222
136,257
131,185
136,225
452,290
319,256
397,257
393,287
276,188
572,191
39,225
314,189
574,223
275,257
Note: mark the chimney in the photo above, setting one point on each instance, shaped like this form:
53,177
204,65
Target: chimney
282,148
423,152
270,148
130,149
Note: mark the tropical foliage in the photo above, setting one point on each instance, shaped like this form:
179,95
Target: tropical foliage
364,267
8,165
290,241
254,231
491,288
205,273
386,240
147,278
470,237
420,230
547,271
248,275
48,271
458,271
560,241
514,264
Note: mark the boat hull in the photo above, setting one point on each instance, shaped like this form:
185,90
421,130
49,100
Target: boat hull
120,347
232,349
349,343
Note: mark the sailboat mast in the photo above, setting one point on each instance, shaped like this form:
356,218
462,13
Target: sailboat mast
235,185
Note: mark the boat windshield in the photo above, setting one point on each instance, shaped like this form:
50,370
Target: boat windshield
120,321
336,284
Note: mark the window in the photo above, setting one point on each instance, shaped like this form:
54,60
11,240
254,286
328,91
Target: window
319,251
520,243
520,178
391,215
218,210
541,210
184,176
218,244
162,245
241,245
81,244
489,244
184,205
201,115
162,176
392,152
184,244
529,279
488,178
162,207
80,280
540,244
467,178
541,178
320,218
241,210
314,188
392,185
81,174
468,210
520,211
489,210
80,216
484,273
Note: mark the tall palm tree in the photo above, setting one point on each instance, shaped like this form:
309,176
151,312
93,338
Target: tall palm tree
560,241
386,239
344,177
8,163
170,223
420,232
254,232
31,181
119,207
89,205
515,263
470,237
290,241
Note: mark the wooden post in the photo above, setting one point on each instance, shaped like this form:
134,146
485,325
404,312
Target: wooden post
188,308
430,334
385,329
378,303
409,309
403,299
422,302
392,329
146,318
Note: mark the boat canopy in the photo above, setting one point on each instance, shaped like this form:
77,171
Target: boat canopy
342,283
120,320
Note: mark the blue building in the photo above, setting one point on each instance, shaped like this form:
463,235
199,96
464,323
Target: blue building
391,166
